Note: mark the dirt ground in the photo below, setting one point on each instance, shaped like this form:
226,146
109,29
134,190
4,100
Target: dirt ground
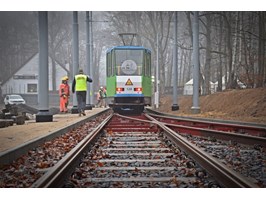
247,105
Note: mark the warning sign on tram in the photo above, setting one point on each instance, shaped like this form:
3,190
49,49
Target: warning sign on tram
129,82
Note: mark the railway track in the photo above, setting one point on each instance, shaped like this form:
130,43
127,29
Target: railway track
142,151
131,154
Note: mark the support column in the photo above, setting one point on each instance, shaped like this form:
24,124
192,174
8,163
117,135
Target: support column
91,63
175,67
195,108
88,53
75,57
43,86
157,78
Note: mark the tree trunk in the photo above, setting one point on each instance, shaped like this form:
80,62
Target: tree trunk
53,74
206,86
182,69
220,67
229,51
189,65
261,50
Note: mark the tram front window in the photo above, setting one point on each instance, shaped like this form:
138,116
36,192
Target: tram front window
129,62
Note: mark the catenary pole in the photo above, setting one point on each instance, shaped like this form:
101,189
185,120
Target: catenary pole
75,55
175,66
88,66
91,62
43,86
156,95
195,108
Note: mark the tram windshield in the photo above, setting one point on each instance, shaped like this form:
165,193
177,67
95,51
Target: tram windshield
129,62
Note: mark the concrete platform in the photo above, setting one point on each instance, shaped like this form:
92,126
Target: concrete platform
17,135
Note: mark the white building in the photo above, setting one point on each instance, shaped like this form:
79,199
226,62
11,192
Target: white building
188,87
25,80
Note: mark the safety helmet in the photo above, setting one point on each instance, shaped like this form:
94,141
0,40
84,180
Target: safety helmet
81,71
65,78
101,87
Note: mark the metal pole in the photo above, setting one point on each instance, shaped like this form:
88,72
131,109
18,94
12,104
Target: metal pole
195,108
156,95
43,85
175,66
75,56
91,62
87,68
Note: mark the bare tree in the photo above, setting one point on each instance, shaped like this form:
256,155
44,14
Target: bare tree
232,44
188,61
206,81
59,34
261,80
220,67
160,23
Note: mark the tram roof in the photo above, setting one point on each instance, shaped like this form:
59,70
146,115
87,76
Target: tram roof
127,47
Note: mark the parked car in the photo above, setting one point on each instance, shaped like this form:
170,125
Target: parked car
14,99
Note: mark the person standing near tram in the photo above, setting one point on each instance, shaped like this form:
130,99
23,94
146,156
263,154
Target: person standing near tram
79,86
101,96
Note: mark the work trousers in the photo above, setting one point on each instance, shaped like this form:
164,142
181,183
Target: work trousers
81,99
101,103
63,104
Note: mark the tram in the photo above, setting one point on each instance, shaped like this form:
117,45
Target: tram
129,86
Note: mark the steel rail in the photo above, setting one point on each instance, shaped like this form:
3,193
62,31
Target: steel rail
244,139
154,112
145,126
226,176
252,129
56,175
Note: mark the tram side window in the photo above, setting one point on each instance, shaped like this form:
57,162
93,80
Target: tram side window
147,64
113,62
109,64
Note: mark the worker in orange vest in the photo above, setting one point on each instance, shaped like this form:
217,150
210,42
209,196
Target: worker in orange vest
67,89
64,94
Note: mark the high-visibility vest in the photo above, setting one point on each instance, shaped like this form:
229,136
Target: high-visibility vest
81,82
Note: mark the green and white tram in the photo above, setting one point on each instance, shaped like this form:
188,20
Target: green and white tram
128,85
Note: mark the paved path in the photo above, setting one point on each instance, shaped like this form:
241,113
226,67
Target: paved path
13,136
